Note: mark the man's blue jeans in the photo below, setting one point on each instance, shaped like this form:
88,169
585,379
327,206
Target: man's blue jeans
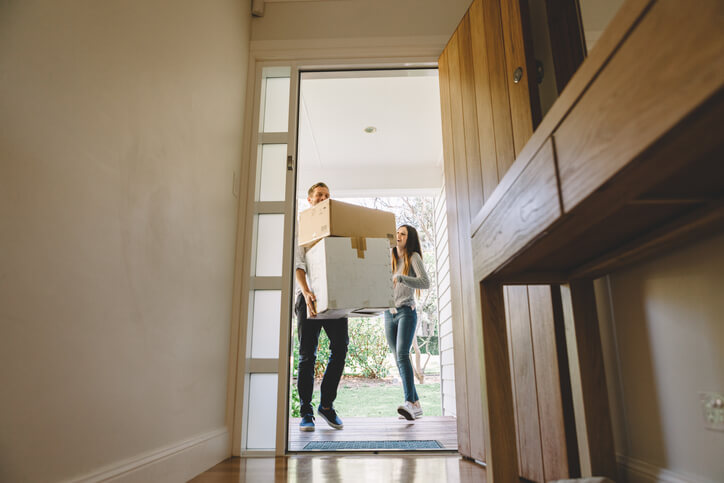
400,330
308,331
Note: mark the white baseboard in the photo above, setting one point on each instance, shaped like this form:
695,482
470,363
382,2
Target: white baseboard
637,471
178,462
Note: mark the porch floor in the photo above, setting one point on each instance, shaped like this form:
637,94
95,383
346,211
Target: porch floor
439,428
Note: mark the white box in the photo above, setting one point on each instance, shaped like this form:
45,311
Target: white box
350,276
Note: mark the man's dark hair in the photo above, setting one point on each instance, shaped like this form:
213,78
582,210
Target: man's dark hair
315,186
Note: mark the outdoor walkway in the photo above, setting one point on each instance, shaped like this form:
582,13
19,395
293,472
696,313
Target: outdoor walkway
439,428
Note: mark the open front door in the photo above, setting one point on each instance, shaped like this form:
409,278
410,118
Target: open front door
261,367
490,108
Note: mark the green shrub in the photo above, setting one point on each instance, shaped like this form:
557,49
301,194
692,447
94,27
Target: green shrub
366,354
294,404
368,349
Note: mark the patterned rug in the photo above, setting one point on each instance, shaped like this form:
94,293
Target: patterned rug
332,445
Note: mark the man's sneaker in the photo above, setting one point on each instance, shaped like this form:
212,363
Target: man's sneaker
330,415
417,411
407,410
307,423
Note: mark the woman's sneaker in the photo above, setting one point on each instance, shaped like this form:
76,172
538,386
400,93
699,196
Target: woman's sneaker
407,411
417,411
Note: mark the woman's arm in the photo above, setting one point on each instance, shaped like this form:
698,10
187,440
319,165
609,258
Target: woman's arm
420,280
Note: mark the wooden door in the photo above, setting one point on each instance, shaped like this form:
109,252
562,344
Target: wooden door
490,108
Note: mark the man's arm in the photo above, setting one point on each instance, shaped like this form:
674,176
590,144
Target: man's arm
309,297
300,273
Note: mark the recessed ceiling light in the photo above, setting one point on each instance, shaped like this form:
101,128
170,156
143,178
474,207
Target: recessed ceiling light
370,129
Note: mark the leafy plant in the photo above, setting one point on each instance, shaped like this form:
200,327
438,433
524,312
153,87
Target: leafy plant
368,348
294,404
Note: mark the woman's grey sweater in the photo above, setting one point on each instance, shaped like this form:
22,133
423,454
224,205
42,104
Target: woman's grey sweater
406,284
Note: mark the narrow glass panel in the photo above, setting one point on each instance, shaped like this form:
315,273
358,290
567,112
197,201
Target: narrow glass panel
276,104
262,416
265,324
269,245
272,172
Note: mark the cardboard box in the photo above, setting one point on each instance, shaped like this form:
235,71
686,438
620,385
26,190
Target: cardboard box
350,277
335,218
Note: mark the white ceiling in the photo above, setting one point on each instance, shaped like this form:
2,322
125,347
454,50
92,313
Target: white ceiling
404,155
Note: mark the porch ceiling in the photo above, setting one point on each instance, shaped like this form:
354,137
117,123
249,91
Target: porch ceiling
403,155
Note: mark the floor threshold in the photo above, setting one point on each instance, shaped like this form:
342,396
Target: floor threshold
442,429
367,452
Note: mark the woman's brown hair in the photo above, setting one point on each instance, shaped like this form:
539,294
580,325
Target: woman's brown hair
411,246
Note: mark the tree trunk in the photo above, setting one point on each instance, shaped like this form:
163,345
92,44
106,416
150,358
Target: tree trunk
417,367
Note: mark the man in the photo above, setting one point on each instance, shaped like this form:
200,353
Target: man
308,330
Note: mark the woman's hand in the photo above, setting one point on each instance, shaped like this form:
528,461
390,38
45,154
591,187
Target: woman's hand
395,279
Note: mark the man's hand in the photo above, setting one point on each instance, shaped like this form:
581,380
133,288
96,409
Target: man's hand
310,299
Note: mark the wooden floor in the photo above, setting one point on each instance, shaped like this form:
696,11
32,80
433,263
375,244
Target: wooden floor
309,468
440,428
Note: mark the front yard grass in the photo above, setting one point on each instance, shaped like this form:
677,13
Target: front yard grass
381,399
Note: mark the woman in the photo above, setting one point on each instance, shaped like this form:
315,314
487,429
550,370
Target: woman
409,276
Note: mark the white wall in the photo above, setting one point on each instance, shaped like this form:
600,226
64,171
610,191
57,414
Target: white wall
596,15
343,19
120,125
662,330
444,308
663,338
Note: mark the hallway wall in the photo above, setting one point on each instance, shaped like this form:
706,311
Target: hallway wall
345,19
663,334
120,131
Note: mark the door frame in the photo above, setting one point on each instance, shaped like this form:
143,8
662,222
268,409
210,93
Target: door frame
330,54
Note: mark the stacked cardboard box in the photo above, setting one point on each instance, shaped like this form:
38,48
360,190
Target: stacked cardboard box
348,258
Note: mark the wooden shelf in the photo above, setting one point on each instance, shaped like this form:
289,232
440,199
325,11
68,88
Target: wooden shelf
638,156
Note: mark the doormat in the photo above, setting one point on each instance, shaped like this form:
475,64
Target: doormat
332,445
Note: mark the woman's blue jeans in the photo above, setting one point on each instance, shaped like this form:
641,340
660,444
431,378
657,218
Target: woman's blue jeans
400,330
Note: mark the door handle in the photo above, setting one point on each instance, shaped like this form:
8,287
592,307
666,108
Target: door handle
518,75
